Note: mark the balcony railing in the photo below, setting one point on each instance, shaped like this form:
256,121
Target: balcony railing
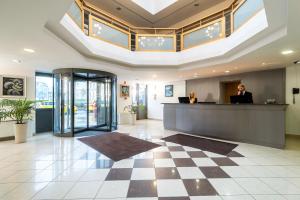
101,25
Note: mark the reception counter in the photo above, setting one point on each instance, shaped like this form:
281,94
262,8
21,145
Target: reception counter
250,123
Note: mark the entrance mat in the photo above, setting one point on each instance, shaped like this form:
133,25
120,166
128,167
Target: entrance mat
204,144
118,146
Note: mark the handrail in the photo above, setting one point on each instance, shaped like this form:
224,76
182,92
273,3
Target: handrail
90,13
113,20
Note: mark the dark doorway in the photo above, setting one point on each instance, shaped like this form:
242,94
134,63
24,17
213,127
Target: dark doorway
229,89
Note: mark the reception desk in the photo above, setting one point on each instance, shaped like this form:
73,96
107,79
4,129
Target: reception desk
259,124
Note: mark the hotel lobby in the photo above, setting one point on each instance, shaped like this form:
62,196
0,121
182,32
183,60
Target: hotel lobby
150,100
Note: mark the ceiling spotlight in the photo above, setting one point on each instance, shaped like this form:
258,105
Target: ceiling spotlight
154,76
17,61
227,71
213,71
287,52
29,50
118,8
196,4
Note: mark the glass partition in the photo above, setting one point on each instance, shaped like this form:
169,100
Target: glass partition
75,12
109,33
207,33
245,11
84,100
155,43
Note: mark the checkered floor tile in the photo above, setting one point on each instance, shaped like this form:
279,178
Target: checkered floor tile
171,171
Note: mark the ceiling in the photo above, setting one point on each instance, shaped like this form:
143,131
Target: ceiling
137,16
53,52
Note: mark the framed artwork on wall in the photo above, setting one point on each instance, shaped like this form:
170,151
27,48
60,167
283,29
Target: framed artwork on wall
169,91
13,86
124,88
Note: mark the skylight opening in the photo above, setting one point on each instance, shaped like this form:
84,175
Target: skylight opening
154,6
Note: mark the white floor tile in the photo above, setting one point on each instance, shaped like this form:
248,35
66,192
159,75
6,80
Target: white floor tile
238,197
281,185
236,171
126,163
204,162
54,190
83,190
213,155
292,197
227,186
171,188
268,197
143,174
205,198
24,191
94,175
6,187
179,154
254,186
190,173
164,163
113,189
70,175
186,148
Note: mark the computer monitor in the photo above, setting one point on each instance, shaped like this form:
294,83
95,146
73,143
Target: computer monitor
184,99
236,99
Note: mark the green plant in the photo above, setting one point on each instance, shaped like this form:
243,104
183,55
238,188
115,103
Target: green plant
18,110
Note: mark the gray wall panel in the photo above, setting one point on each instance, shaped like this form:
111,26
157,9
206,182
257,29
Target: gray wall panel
263,85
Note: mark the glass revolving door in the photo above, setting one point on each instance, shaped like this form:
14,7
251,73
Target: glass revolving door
84,100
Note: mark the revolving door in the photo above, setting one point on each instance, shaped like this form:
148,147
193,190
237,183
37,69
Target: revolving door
84,100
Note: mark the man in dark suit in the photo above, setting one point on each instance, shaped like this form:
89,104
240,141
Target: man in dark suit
246,96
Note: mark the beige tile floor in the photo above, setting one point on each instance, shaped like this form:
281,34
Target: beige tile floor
48,167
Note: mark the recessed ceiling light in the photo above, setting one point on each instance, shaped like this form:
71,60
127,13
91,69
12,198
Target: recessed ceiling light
16,61
154,76
119,8
196,4
29,50
213,71
227,71
287,52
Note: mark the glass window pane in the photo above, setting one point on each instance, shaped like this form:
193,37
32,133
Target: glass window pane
155,43
109,34
246,11
203,35
44,93
75,13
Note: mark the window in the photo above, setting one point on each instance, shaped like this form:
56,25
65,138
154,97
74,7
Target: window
44,91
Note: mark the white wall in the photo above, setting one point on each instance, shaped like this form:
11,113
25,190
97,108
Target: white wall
293,110
155,107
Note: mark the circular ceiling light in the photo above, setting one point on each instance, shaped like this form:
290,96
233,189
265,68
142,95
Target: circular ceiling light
29,50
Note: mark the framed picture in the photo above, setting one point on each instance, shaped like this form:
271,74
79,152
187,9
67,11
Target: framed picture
124,91
13,86
169,91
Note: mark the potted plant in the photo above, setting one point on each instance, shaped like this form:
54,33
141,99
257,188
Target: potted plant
20,111
133,111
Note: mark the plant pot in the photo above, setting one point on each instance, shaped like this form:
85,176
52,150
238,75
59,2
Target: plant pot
20,133
132,118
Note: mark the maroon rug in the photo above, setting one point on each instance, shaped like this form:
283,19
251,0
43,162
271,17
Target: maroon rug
118,146
204,144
